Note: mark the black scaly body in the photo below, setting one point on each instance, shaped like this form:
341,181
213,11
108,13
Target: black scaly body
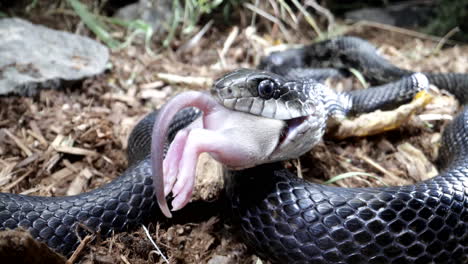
117,206
285,218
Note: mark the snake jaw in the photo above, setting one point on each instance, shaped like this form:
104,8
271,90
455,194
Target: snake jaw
298,136
290,126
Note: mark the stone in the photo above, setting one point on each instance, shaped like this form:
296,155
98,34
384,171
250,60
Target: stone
153,12
33,57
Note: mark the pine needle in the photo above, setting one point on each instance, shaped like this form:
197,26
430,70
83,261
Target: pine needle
354,174
154,244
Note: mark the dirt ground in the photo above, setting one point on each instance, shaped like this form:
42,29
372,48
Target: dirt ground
97,115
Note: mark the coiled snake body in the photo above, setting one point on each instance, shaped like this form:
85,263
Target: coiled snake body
284,218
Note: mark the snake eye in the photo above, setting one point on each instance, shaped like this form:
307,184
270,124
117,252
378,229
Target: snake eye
266,89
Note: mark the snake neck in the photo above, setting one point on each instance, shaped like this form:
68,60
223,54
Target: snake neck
454,149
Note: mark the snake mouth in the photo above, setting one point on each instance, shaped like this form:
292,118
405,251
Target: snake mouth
292,128
298,136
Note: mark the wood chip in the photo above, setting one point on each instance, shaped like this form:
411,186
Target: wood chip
79,184
72,166
79,249
32,190
28,160
19,143
75,151
152,85
187,80
8,187
51,162
62,174
124,259
156,94
6,172
70,169
36,133
57,140
120,97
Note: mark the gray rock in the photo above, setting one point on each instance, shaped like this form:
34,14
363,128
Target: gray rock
153,12
34,57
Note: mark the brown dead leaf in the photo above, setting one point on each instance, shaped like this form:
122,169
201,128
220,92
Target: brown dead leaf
379,121
418,166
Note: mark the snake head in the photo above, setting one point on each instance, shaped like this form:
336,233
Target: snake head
252,117
266,94
300,104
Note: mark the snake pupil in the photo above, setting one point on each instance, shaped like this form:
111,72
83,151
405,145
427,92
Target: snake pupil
266,89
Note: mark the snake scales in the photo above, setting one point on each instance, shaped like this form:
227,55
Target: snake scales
285,218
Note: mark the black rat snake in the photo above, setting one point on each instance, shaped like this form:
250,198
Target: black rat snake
284,218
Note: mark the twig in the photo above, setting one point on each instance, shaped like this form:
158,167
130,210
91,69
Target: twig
154,244
227,45
195,39
18,180
229,40
445,39
36,132
376,166
18,142
353,174
188,80
111,244
297,163
124,259
6,173
75,151
78,250
32,190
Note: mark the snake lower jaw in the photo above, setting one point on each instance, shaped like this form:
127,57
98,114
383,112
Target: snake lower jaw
289,129
298,136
